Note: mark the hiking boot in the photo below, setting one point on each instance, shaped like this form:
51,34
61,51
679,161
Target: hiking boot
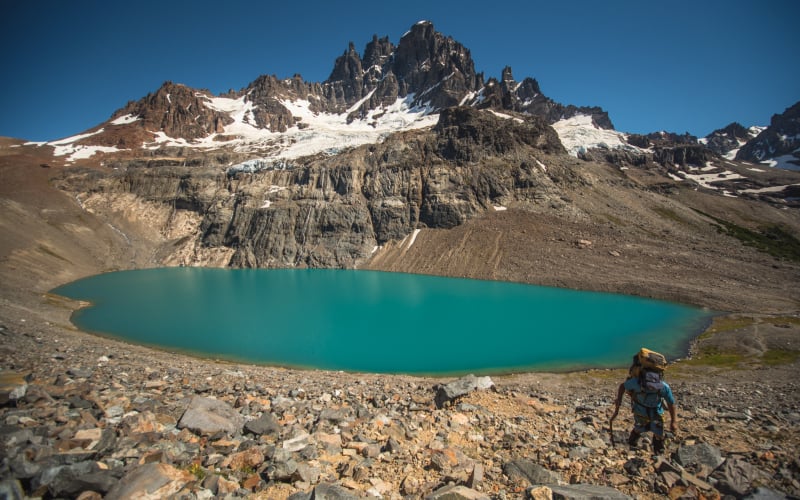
658,446
633,439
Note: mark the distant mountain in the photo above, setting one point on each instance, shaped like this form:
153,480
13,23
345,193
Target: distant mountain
384,89
778,144
728,140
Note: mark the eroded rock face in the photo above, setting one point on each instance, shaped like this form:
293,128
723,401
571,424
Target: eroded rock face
178,111
334,211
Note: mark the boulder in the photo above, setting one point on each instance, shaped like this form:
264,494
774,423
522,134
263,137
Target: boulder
325,491
456,492
447,393
702,454
151,481
13,386
207,416
530,471
736,477
265,424
586,492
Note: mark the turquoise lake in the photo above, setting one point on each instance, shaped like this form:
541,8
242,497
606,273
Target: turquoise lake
369,321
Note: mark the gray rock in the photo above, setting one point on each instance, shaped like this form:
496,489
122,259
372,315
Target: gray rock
282,468
456,492
71,480
333,415
208,416
736,476
325,491
532,472
265,424
79,373
152,481
762,493
449,392
702,454
13,386
307,473
586,492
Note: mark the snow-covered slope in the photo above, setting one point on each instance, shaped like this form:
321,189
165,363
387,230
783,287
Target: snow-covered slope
579,134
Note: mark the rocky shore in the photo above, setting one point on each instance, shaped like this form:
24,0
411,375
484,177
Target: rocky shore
90,417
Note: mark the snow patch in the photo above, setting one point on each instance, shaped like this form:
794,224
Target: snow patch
541,165
785,162
578,134
74,138
505,116
707,179
413,238
124,120
771,189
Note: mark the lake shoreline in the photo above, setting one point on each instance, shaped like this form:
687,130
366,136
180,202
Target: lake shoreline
252,294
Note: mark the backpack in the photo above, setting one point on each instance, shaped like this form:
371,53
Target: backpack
648,366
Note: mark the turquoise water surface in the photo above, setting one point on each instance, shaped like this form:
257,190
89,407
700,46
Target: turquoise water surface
378,322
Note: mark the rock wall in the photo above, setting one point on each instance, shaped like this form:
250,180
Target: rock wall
335,211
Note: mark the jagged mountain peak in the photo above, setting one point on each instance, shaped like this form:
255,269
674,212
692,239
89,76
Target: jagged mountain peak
779,143
385,88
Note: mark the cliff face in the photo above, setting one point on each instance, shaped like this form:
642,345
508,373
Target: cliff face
335,211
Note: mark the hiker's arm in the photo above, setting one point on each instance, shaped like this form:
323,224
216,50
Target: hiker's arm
673,417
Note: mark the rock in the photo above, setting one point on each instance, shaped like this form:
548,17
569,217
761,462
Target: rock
265,424
702,454
79,373
13,386
456,492
762,493
250,458
586,492
325,491
447,393
736,477
529,471
540,493
151,481
206,416
297,443
71,480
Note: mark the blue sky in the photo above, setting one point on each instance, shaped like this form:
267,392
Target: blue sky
681,66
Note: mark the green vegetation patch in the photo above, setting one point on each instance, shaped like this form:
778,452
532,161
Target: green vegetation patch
779,357
670,215
772,239
197,471
726,324
716,359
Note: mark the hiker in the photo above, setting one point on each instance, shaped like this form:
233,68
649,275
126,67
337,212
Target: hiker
648,392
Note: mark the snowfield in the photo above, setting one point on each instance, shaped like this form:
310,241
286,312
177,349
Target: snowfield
578,134
320,133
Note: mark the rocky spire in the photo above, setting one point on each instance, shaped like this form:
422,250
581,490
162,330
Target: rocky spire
430,64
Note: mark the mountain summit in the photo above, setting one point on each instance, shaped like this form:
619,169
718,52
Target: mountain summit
383,89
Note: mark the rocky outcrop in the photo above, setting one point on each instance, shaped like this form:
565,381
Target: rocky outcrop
526,97
683,154
178,111
781,138
334,211
723,141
